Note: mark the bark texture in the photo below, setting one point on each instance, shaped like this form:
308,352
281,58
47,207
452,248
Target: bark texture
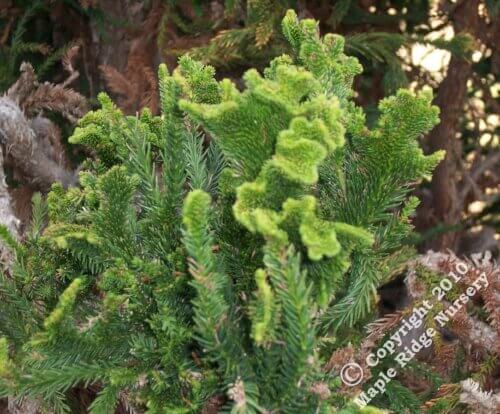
450,98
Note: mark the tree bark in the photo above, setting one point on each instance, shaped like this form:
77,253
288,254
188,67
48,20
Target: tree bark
450,98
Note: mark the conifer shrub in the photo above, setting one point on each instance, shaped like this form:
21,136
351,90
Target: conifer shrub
214,257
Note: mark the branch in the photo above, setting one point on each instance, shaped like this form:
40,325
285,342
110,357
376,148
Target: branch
471,177
33,97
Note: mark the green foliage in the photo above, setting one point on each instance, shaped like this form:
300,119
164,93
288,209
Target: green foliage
11,52
251,34
258,40
19,43
188,271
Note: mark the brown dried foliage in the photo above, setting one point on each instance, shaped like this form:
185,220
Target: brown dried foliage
34,151
473,331
445,391
137,86
477,337
33,97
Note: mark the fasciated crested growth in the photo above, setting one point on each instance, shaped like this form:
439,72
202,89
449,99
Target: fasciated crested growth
215,256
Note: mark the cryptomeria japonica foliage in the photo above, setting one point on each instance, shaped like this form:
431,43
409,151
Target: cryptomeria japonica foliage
214,257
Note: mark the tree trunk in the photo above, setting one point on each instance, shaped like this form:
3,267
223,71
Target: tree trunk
450,98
